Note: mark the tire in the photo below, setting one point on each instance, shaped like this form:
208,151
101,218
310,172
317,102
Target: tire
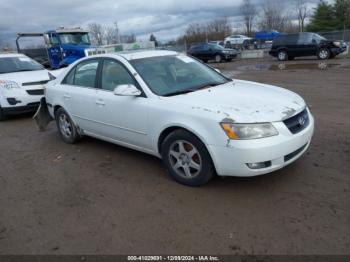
66,127
218,58
282,55
245,44
323,54
2,115
187,159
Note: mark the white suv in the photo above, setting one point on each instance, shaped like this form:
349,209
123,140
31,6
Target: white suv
22,83
236,40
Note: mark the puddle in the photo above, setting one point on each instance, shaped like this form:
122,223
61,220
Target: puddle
284,66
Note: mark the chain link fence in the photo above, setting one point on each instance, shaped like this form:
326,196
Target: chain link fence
337,35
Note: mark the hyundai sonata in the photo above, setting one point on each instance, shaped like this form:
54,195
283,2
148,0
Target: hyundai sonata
199,122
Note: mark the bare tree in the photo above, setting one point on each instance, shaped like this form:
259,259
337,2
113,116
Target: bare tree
273,16
216,29
96,33
111,34
249,14
302,13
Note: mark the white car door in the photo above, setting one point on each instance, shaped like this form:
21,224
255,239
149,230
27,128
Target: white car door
121,118
79,94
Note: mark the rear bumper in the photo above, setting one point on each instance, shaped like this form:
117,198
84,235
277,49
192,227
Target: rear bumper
279,151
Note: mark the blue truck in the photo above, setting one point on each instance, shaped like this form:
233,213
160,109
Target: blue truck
61,46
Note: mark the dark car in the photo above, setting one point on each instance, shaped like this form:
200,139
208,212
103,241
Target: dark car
206,52
289,46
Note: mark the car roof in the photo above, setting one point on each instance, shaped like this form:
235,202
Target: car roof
139,54
11,55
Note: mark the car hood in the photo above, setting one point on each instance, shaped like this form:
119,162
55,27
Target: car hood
26,77
243,102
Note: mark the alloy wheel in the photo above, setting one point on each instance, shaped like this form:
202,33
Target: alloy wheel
65,126
185,159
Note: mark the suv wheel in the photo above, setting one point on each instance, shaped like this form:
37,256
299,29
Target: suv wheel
218,58
187,159
282,55
323,54
66,127
2,116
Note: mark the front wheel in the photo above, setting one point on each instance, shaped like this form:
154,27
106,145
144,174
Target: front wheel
282,55
187,159
323,54
2,116
66,127
218,58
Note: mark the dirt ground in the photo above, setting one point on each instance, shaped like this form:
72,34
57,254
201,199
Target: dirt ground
99,198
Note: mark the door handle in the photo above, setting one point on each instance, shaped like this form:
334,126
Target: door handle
66,96
100,102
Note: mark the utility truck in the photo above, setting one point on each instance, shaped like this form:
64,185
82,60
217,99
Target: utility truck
61,47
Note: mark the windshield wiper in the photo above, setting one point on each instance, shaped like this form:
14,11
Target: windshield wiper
200,87
181,92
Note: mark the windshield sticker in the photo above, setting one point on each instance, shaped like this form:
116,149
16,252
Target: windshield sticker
24,59
186,59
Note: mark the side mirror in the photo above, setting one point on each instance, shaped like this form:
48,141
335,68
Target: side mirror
127,90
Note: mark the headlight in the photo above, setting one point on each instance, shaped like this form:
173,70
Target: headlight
248,131
8,84
337,43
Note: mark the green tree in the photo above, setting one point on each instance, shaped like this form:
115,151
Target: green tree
342,13
324,18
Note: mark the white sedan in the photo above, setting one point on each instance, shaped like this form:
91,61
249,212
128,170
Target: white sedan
167,104
22,82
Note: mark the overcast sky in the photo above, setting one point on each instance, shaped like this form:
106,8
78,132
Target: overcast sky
167,19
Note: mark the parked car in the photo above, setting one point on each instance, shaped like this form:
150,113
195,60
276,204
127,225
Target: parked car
22,83
172,106
237,40
289,46
207,51
220,43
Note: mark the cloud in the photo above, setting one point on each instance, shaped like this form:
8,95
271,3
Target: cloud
167,19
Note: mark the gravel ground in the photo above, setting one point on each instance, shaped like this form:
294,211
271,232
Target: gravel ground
99,198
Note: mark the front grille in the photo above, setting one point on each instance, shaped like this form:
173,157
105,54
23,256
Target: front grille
36,92
298,122
35,83
294,154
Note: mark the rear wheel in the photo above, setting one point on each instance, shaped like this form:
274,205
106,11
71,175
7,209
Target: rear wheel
66,127
323,54
187,159
282,55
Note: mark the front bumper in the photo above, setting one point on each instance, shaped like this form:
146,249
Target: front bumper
280,150
19,101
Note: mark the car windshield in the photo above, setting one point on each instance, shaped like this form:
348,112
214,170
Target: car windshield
318,37
75,38
18,64
217,47
173,75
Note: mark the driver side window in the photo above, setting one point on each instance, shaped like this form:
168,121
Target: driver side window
114,74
